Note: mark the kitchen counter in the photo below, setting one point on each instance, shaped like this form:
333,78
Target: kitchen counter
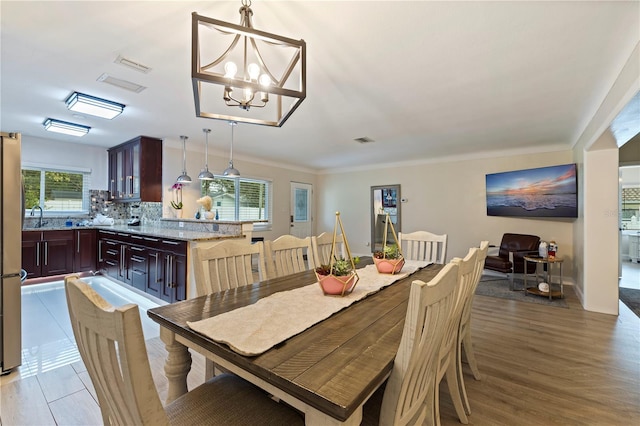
152,231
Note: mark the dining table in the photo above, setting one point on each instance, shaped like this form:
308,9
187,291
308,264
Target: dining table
327,371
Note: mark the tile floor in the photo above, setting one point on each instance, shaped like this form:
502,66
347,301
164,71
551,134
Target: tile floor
47,337
630,275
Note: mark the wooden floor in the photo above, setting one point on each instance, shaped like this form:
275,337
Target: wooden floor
540,365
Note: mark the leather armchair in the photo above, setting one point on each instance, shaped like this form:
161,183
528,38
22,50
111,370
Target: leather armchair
510,258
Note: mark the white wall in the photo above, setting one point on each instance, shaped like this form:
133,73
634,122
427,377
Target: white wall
443,197
46,151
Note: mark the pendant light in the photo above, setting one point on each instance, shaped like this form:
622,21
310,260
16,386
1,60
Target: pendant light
205,174
231,171
184,178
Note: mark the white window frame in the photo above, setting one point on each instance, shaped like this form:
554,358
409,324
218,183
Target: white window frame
86,182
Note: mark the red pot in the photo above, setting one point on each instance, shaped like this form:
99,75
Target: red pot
389,266
332,284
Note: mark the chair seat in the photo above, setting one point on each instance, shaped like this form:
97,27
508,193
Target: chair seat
236,402
499,264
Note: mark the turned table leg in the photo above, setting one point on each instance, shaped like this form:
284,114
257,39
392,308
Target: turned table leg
177,365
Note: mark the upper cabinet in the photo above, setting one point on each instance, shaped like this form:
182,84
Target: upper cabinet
135,170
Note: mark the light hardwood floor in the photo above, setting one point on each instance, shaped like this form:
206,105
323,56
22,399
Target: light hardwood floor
540,365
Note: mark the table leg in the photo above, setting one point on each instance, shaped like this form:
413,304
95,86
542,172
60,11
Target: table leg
177,365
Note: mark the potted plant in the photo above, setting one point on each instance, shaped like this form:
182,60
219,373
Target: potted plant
390,260
339,277
176,203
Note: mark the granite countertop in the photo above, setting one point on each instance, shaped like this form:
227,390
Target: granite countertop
151,231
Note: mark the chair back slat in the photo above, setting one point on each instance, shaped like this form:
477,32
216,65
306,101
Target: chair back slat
423,246
412,377
111,344
288,255
228,264
322,247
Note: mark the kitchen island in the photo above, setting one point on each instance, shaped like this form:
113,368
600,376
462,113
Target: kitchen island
152,258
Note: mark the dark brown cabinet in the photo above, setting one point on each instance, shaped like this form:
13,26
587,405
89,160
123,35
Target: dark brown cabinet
135,170
157,266
85,256
46,253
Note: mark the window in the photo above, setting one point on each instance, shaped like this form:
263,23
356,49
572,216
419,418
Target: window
239,199
56,191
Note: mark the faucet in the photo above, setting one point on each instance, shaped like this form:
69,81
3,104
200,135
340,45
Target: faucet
40,220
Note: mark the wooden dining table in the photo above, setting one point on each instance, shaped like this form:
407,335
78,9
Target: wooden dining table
328,371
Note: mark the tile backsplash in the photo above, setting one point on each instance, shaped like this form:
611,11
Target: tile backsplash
100,203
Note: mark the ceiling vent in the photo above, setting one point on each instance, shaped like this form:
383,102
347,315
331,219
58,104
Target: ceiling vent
132,64
364,139
123,84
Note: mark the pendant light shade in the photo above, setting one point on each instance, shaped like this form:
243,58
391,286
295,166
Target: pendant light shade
205,174
184,178
231,171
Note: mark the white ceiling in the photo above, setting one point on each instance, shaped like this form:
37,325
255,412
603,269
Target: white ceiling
424,79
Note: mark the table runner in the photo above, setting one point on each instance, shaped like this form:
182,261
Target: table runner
254,329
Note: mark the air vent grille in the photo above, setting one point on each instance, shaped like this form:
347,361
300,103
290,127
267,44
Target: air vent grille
132,64
123,84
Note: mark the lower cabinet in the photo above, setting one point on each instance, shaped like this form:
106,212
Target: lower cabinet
47,253
85,253
157,266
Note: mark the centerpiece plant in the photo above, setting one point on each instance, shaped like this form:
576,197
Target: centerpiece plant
176,203
339,277
390,260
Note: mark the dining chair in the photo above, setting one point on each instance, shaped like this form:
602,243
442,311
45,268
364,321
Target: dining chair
446,365
112,347
403,400
287,255
322,247
464,330
424,246
227,264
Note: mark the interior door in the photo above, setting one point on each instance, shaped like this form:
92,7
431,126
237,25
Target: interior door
301,220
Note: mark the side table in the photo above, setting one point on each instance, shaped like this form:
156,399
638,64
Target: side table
549,264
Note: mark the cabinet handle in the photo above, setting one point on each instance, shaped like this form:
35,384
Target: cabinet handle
175,243
100,251
151,239
112,186
37,254
130,185
134,248
78,242
137,259
46,253
170,283
155,256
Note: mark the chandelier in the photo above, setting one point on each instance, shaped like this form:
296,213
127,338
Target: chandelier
243,74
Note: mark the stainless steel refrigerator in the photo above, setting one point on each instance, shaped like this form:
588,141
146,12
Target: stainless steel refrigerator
11,218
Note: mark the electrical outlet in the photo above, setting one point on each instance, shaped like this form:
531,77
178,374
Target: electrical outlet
180,224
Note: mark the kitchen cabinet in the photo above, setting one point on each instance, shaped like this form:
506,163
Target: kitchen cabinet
157,266
135,170
634,247
47,253
85,256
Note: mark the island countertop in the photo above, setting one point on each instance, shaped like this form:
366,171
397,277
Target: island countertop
151,231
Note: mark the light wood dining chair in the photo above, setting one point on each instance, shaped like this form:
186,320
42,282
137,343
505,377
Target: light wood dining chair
288,255
112,347
464,331
424,246
446,364
227,264
322,247
403,401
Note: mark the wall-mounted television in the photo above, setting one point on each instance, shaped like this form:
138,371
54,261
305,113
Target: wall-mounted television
542,192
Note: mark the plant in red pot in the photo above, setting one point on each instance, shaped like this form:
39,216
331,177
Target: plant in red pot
390,260
339,277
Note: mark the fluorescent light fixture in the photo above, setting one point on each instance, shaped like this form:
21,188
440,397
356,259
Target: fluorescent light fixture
79,102
65,127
